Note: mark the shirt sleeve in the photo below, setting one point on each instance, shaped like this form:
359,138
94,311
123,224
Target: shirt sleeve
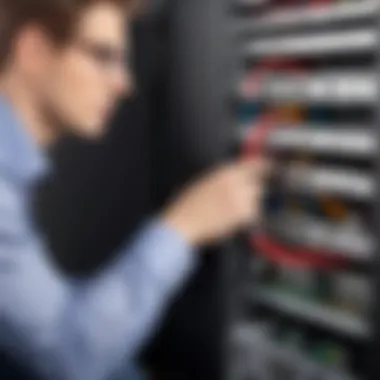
82,329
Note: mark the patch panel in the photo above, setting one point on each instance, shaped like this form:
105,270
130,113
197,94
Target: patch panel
334,180
314,44
340,239
313,311
309,16
324,360
340,88
347,141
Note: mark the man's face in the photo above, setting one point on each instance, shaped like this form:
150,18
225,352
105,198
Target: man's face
83,81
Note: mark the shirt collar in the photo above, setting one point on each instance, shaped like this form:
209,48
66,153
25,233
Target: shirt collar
18,152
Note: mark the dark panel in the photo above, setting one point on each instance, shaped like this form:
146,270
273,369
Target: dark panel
197,137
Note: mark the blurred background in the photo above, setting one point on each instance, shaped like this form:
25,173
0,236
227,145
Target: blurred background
223,79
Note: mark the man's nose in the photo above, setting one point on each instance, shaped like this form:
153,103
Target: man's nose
123,82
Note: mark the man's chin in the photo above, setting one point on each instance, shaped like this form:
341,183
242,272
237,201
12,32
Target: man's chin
91,132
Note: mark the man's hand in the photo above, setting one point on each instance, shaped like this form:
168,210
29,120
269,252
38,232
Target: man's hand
220,203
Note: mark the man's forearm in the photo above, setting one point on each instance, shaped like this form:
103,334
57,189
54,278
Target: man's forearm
84,330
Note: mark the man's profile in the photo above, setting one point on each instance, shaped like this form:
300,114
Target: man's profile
63,69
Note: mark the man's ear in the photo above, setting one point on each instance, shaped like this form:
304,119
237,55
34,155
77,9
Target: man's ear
32,48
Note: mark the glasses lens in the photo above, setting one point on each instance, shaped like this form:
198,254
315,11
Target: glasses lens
106,56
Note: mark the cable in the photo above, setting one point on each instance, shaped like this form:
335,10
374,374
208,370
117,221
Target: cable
294,257
254,146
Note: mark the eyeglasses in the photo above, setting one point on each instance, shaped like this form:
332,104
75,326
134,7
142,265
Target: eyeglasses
107,57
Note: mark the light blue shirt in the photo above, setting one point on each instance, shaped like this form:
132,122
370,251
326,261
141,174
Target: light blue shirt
66,329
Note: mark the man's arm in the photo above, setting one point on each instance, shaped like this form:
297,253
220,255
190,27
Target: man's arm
84,329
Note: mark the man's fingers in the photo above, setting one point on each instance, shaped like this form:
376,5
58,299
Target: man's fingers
257,168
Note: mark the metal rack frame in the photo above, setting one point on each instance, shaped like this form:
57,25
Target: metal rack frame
232,265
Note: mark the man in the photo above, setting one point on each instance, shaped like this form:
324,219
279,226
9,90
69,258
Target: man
62,70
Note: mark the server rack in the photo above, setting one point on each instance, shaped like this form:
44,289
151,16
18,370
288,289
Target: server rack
302,288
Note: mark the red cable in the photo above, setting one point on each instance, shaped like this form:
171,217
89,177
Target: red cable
253,146
294,257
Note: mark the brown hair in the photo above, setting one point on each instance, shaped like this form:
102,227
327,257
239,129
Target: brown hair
56,16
